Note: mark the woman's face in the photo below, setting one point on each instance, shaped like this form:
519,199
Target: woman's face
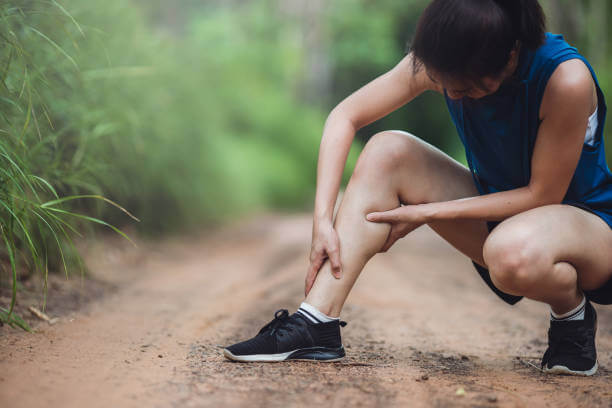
456,89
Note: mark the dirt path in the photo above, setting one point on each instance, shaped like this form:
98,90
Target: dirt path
421,327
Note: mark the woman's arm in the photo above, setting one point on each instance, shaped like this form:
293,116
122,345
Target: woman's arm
373,101
567,103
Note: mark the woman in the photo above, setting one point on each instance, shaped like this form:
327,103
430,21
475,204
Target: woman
533,210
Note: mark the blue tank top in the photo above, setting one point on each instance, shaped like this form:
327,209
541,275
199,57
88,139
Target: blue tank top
499,131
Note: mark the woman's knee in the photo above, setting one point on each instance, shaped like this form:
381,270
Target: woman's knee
386,151
516,260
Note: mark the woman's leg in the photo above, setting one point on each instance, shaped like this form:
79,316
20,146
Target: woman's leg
550,254
541,254
394,167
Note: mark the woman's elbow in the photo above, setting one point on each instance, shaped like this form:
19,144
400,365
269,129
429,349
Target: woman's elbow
340,115
547,195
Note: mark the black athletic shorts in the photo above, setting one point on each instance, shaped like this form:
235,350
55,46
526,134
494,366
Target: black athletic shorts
602,295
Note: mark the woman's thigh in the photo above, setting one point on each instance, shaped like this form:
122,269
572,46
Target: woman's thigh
559,233
426,174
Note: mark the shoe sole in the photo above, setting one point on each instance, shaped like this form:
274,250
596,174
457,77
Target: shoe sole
563,370
319,354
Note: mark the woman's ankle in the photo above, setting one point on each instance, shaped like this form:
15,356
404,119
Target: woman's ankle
325,308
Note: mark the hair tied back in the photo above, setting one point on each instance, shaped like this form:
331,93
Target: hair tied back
528,20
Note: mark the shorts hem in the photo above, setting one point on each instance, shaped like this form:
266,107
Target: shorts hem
601,295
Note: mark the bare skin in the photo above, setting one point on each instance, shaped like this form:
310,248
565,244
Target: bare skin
538,251
394,167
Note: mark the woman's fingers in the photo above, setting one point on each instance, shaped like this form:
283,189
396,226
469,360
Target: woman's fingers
325,245
307,286
311,275
387,244
391,238
315,266
334,257
398,231
391,216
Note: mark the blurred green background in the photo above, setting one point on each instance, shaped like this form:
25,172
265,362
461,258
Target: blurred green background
188,113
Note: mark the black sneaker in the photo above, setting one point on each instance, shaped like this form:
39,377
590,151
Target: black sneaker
571,345
291,338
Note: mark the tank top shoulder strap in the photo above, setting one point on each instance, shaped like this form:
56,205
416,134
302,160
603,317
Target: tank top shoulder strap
536,67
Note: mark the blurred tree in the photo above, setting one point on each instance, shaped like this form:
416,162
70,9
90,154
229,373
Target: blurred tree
367,39
344,44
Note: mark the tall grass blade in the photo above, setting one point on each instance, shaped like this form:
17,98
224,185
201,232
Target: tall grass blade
8,242
94,196
94,220
63,10
14,320
54,44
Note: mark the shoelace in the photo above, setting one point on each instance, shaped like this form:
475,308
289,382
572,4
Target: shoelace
282,322
577,341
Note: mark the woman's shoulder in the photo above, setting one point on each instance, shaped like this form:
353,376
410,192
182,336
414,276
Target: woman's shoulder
540,63
538,66
560,73
554,46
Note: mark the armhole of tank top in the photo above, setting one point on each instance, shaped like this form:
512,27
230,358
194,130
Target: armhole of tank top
592,136
592,125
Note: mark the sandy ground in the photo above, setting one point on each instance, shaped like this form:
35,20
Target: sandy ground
423,330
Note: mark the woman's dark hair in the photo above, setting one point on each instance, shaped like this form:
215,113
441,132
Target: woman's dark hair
471,39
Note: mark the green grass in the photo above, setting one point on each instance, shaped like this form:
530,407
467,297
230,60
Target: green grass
36,173
98,108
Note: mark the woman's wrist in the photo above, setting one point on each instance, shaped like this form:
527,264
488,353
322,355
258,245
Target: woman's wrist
321,221
428,212
323,215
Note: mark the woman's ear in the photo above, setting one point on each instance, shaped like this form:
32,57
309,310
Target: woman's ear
513,57
515,50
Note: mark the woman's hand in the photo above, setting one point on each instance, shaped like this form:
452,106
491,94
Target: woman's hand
325,245
398,231
406,213
403,220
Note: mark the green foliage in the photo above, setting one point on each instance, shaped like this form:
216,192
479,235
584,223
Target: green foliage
196,128
368,39
37,149
182,130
